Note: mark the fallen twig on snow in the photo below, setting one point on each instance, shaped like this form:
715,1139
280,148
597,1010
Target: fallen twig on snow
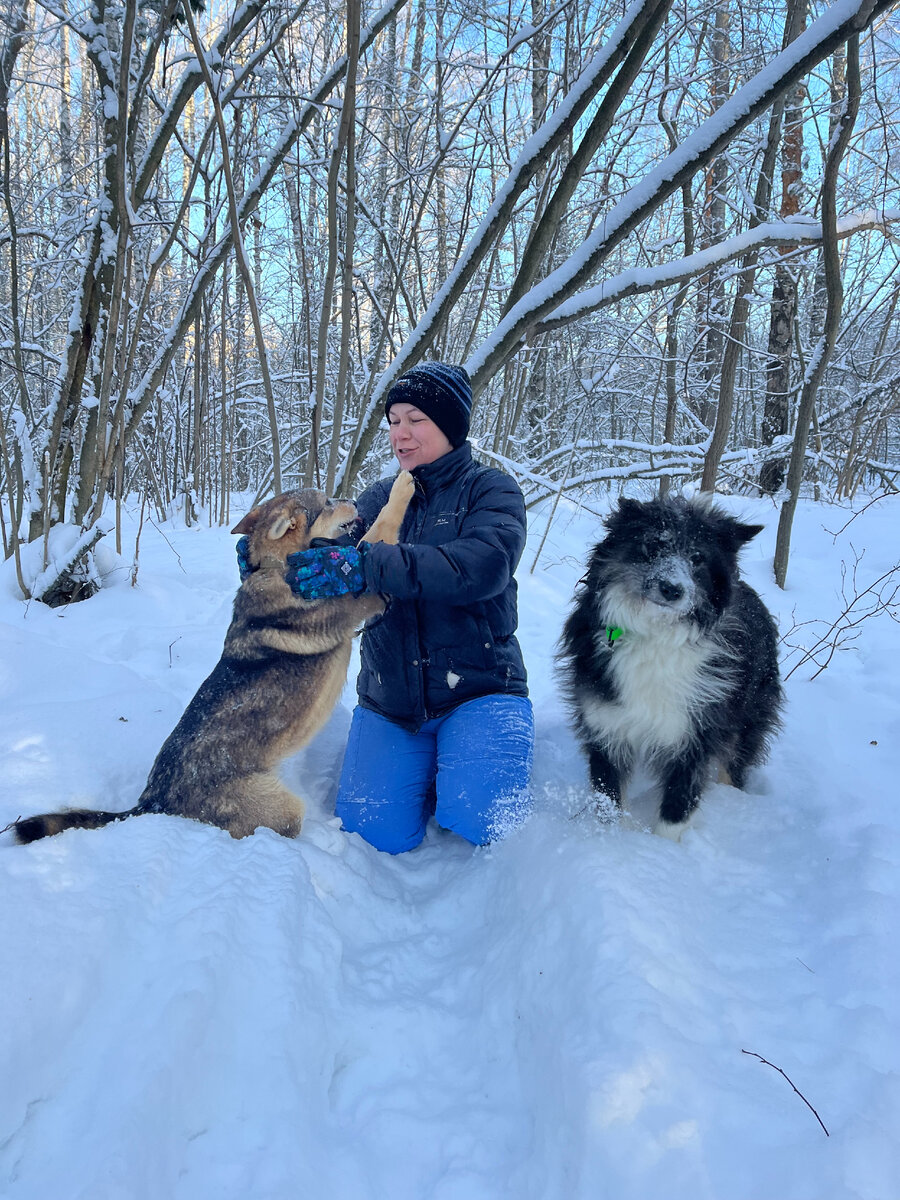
753,1054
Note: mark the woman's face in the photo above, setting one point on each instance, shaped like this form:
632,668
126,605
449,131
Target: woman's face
415,439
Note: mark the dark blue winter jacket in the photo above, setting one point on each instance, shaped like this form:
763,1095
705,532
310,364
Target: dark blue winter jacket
448,634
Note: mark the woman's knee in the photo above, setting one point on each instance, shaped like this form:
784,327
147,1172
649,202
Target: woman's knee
487,820
384,783
485,756
382,824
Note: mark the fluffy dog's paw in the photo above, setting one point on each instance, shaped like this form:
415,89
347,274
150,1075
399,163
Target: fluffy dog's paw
403,488
386,526
667,830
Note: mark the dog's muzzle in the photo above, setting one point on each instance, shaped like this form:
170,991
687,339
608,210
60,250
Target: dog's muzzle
670,585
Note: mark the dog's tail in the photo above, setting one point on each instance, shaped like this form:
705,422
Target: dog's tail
31,829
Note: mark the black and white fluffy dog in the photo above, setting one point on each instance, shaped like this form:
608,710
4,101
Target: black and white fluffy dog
668,658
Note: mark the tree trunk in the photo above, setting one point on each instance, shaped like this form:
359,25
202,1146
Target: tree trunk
740,313
777,411
348,138
835,292
711,299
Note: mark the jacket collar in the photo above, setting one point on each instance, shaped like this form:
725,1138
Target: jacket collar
444,469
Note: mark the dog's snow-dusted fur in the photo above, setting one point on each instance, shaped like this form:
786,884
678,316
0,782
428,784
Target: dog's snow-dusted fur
282,669
668,658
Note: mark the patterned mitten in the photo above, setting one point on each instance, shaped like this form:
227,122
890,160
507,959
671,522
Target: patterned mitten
327,571
242,549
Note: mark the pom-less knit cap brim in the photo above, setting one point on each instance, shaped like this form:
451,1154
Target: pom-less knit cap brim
441,391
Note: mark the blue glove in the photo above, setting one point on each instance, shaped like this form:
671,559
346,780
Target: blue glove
243,556
324,571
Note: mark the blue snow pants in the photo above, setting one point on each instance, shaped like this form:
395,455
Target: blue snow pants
470,767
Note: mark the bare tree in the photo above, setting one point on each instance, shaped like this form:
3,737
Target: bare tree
255,223
835,294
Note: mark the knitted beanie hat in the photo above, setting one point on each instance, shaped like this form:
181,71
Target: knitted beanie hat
441,391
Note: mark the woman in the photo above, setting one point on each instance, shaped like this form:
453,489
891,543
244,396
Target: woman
443,723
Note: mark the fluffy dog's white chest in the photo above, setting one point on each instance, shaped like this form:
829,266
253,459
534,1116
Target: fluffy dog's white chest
661,678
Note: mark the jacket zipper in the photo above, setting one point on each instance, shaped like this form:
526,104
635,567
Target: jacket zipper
419,662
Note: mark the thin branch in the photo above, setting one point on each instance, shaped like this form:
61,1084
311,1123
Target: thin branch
766,1062
870,602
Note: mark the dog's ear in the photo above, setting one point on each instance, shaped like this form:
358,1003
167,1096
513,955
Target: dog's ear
741,534
248,524
626,510
280,527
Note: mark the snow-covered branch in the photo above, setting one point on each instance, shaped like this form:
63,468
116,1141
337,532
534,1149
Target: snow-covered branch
839,22
155,373
532,158
797,231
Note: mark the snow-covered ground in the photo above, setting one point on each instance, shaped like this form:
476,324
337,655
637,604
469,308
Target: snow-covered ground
579,1012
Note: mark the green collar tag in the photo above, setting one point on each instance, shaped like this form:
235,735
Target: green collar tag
613,633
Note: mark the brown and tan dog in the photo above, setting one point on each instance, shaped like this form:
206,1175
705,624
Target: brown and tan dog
283,666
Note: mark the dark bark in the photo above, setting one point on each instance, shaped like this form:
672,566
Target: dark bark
835,296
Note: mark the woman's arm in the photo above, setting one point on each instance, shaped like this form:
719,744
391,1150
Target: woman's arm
474,566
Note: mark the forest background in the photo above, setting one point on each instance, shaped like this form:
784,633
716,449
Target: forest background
660,236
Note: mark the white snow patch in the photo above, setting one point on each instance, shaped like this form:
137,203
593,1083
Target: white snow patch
559,1016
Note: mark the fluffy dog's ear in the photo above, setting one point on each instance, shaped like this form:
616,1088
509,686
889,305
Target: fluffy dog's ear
247,524
741,534
280,527
626,510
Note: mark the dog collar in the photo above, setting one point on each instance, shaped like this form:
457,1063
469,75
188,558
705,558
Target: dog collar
613,633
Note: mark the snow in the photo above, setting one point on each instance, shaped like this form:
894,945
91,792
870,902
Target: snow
110,103
573,1013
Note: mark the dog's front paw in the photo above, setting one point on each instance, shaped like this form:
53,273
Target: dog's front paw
403,488
667,830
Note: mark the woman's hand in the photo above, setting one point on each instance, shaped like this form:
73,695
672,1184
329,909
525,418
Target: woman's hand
327,571
242,549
